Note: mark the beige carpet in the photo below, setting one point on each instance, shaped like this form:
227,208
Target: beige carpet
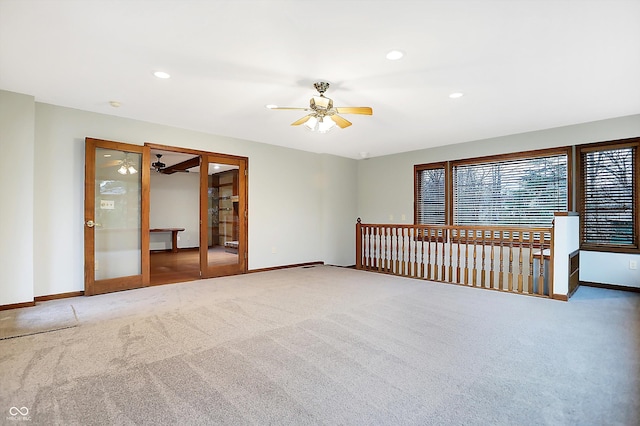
330,346
43,318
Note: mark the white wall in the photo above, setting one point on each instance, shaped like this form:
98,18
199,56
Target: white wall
174,202
285,195
17,195
338,180
385,184
609,268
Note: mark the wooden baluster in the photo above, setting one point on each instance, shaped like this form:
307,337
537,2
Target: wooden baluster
520,277
366,248
374,253
530,276
450,242
421,231
444,249
540,277
493,256
466,257
458,243
368,245
483,279
389,263
396,265
403,251
510,276
474,271
501,276
382,249
428,253
436,255
414,233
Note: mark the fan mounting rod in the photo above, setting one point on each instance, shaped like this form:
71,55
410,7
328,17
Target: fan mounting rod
321,87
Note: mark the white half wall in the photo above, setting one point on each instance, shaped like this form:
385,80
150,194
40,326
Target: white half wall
17,114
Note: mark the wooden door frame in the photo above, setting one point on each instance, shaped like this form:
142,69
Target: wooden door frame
243,215
121,283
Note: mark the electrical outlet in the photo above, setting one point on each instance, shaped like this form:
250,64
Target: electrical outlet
633,264
273,250
390,217
404,217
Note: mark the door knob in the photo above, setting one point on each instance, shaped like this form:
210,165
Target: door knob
91,224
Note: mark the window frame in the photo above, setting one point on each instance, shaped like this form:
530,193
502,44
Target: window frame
581,150
416,188
523,155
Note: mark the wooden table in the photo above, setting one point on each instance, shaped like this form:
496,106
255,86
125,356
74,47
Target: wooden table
174,236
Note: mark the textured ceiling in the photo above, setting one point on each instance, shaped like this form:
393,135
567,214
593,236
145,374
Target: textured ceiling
522,65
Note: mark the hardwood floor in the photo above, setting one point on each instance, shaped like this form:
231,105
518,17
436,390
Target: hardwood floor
168,267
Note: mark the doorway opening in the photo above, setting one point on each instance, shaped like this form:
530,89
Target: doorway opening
197,215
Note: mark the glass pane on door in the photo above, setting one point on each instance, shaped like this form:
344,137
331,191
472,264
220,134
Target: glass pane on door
118,205
223,217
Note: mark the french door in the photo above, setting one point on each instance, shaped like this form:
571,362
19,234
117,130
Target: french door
223,215
116,210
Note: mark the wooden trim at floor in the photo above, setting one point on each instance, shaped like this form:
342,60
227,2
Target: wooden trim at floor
561,297
274,268
17,305
610,286
58,296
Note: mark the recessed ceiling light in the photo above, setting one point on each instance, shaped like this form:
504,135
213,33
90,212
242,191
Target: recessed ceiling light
394,55
114,104
271,106
161,74
107,155
456,95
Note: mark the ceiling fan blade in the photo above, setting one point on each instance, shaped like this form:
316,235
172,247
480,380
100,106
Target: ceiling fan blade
355,110
181,167
341,122
301,121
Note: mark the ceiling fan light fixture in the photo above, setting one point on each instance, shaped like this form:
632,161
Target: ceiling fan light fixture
311,123
325,124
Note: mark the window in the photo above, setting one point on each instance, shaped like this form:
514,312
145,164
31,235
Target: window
430,194
509,190
608,195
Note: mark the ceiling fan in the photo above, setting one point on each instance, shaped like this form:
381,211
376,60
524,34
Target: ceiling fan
323,115
183,166
158,165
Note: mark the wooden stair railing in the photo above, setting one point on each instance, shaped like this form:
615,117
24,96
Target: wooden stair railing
510,259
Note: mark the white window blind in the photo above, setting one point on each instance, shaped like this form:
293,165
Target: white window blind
430,194
608,207
519,192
